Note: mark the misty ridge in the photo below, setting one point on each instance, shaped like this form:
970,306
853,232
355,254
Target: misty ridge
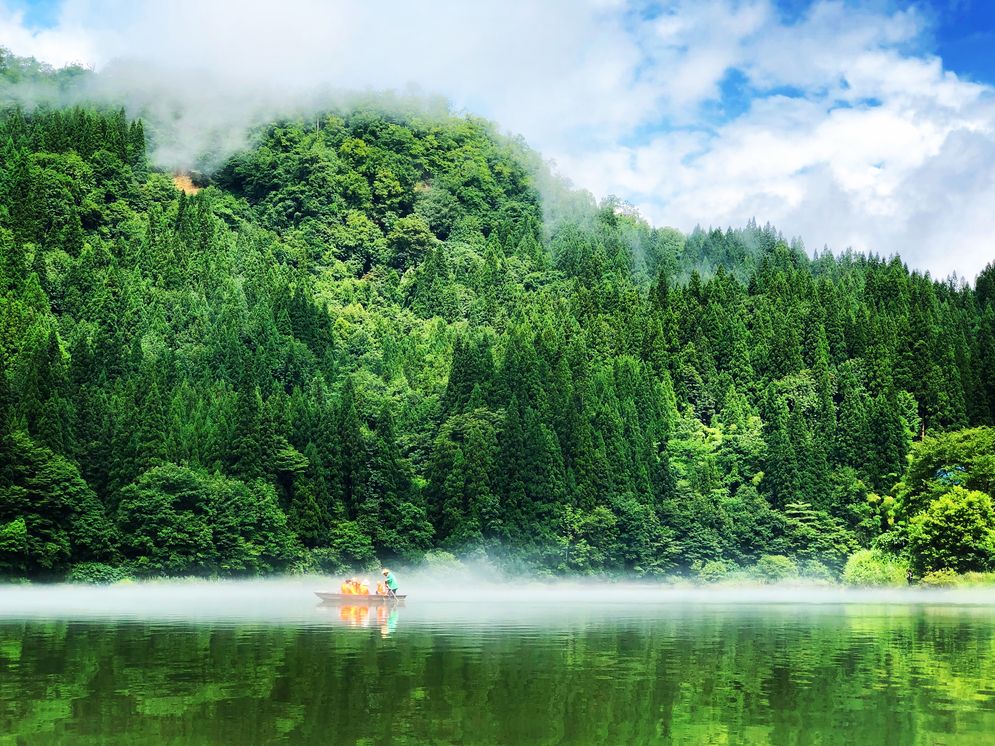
195,119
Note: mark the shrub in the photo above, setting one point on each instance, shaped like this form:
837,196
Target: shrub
437,559
348,556
815,570
714,571
177,520
945,578
327,561
774,568
871,567
304,564
976,579
957,531
352,546
96,573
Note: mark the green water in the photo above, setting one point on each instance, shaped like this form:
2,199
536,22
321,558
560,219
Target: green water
565,674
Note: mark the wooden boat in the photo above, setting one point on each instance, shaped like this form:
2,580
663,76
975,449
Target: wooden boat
356,599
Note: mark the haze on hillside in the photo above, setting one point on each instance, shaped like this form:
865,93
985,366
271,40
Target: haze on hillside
836,122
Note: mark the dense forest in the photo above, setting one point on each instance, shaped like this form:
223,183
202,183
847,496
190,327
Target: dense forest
368,337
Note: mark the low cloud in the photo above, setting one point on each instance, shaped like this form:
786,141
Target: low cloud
841,126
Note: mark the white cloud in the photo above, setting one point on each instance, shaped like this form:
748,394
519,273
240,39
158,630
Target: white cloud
61,46
862,138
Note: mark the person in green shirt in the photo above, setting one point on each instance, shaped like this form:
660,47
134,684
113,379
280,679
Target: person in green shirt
391,582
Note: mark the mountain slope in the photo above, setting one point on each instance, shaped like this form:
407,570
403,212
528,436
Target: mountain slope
366,339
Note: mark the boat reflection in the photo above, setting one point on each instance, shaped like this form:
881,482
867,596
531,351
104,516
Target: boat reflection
359,615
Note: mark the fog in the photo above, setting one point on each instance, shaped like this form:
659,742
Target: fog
196,119
458,599
878,131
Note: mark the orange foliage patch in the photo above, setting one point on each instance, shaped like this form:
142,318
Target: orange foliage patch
185,184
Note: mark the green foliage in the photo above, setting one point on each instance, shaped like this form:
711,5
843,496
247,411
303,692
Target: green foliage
775,568
815,570
322,560
97,573
13,547
941,462
714,571
437,559
49,513
945,578
817,536
967,579
587,539
351,546
175,520
956,532
871,567
362,339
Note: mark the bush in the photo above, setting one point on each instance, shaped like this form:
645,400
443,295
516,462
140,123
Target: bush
352,546
949,579
774,568
97,573
175,520
871,567
437,559
815,570
335,560
940,579
976,579
957,531
714,571
327,561
305,564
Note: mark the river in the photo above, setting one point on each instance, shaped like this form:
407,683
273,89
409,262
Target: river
263,663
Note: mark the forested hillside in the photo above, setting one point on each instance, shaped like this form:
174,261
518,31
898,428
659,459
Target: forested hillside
366,338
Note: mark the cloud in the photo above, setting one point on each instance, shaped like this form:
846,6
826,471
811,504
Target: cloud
60,46
845,131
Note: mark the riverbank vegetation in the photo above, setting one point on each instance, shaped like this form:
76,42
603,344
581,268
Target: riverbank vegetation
369,337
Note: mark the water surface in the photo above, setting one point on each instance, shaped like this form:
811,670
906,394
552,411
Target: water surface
263,663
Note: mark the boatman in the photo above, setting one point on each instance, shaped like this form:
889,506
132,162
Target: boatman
391,582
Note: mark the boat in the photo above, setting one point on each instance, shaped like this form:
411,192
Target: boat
356,599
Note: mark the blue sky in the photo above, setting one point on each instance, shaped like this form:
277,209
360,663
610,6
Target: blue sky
965,38
852,124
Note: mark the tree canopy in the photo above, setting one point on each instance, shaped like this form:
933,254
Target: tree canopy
367,338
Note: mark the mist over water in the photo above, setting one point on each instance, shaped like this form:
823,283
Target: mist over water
435,598
472,660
